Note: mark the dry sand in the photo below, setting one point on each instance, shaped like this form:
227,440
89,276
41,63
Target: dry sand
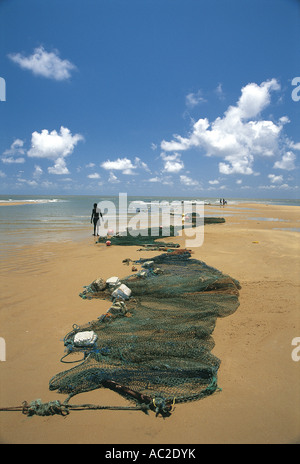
260,400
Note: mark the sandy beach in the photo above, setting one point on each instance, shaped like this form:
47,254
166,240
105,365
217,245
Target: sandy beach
260,401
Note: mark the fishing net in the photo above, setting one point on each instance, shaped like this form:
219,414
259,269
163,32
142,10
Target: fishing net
155,346
149,237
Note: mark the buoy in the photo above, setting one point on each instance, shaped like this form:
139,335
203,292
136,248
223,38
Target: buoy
108,243
110,232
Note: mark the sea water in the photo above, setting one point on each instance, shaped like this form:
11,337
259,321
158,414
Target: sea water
42,219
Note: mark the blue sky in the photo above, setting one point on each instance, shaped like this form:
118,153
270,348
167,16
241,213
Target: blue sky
150,97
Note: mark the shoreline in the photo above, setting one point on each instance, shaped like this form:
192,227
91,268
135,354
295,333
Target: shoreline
260,398
232,203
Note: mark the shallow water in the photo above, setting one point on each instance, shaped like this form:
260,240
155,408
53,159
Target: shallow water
288,229
45,219
267,219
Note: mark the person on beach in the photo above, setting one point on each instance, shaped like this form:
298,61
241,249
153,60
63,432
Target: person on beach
96,214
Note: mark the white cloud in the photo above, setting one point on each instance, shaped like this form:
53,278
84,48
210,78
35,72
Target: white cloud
47,184
287,162
125,165
54,146
284,120
154,179
113,178
219,91
164,180
140,164
32,183
2,174
256,98
37,171
185,180
121,164
16,149
94,176
194,99
59,168
172,163
281,187
11,160
275,179
167,180
295,146
46,64
240,135
213,182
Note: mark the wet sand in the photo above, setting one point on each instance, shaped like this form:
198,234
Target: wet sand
18,203
260,399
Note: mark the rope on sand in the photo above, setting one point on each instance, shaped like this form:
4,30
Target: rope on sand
37,408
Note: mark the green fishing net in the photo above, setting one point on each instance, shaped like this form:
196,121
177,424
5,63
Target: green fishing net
157,345
149,237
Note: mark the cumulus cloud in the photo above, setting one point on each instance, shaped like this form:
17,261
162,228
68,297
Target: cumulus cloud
121,164
287,162
54,146
125,165
46,64
59,168
240,135
172,163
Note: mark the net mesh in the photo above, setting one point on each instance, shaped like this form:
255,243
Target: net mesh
150,236
159,343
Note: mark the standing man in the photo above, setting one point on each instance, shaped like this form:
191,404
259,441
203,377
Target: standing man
96,214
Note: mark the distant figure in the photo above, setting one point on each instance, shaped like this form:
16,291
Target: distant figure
96,214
